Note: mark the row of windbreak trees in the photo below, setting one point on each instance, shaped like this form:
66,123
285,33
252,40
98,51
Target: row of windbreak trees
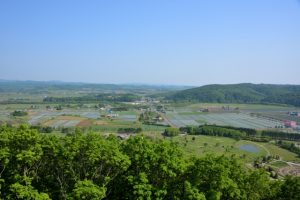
281,135
239,133
214,131
89,166
111,97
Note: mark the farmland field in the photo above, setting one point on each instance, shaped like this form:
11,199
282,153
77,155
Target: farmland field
232,119
106,120
41,116
237,115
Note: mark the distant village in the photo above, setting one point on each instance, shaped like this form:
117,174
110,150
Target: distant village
290,123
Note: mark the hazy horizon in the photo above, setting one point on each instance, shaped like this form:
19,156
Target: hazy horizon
191,43
138,84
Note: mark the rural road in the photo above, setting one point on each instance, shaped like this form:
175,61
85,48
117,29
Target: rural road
291,163
169,122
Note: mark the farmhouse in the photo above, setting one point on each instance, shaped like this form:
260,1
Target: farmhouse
296,114
157,118
290,124
112,115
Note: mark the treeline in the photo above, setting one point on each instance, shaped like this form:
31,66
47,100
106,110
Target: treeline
89,166
130,130
213,130
94,98
19,113
69,130
43,129
240,133
281,135
171,132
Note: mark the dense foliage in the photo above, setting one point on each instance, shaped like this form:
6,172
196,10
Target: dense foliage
129,130
171,132
19,113
240,133
281,135
241,93
150,117
89,166
213,130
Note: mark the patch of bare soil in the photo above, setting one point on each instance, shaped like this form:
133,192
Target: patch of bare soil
290,170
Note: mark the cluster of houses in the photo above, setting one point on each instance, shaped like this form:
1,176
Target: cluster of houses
290,124
110,116
296,114
143,101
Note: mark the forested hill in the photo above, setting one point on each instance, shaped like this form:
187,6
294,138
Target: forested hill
241,93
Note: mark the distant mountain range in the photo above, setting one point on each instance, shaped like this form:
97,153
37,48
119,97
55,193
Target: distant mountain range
29,86
240,93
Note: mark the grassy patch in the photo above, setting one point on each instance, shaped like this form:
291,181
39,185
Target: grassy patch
283,153
202,145
279,164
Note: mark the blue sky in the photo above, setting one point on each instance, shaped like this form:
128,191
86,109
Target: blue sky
147,41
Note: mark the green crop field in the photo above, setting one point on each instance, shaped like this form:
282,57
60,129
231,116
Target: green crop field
279,164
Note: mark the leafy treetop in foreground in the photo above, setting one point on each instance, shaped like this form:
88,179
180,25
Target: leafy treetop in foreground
89,166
